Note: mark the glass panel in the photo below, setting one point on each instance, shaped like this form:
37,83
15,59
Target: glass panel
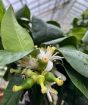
46,15
17,6
75,13
12,1
77,10
33,5
41,4
5,2
31,1
34,11
46,7
82,2
79,6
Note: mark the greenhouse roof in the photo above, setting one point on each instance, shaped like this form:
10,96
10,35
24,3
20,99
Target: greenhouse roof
62,11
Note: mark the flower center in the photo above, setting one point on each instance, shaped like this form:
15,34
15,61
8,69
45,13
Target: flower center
45,59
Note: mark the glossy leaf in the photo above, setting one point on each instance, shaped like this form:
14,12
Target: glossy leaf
33,93
81,101
54,23
1,11
23,17
71,94
7,57
1,16
14,37
78,80
85,14
69,40
74,22
43,32
77,59
11,98
85,38
1,46
23,13
78,32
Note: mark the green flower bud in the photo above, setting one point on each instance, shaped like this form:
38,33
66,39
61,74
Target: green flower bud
27,72
34,76
30,73
40,81
15,71
27,84
51,78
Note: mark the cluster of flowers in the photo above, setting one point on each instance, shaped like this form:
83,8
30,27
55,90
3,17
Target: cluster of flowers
40,69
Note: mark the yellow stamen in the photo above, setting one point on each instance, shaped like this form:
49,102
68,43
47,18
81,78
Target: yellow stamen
51,49
59,82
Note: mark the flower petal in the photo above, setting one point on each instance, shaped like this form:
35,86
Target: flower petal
49,66
60,75
49,96
54,57
41,54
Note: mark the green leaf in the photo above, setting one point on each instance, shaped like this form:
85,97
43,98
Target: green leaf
23,13
24,23
1,11
1,16
1,46
78,60
14,37
23,17
85,14
74,22
78,32
85,38
54,23
69,40
33,93
7,57
11,98
43,32
78,80
81,101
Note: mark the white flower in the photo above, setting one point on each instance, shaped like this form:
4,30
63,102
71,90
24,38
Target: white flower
28,62
51,92
49,96
47,55
60,75
49,66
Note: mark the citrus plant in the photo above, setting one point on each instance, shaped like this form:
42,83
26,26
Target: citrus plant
42,61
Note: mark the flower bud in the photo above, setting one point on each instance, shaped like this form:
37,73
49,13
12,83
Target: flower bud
27,72
40,81
30,73
51,78
15,71
34,76
27,84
